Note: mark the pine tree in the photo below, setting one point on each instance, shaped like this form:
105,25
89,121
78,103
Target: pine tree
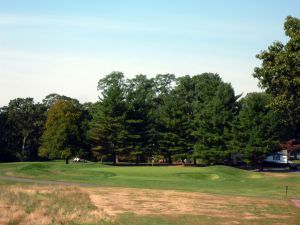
215,110
257,129
107,128
140,94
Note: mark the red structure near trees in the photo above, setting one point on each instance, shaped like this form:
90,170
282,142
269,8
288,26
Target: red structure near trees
291,146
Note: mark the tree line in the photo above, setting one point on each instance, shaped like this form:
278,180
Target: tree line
195,118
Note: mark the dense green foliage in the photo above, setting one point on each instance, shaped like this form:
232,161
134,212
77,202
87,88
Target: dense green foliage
139,101
64,131
257,128
21,127
188,117
108,131
215,111
185,119
279,75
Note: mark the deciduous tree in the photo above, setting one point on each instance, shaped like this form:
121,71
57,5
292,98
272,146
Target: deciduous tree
279,75
64,134
25,121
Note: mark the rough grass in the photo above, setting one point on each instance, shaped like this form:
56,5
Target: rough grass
41,205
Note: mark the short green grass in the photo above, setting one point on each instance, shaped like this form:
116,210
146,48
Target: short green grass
213,179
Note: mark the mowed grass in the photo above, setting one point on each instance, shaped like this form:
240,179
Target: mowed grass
212,179
145,195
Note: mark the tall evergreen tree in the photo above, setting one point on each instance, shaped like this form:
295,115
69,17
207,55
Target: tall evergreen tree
174,128
186,96
107,128
176,116
139,98
215,110
164,84
257,129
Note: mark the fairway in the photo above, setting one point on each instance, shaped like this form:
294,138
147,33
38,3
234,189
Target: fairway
212,179
152,195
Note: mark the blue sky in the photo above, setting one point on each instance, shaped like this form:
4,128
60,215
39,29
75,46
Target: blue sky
66,46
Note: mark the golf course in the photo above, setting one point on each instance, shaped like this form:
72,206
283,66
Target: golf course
156,112
93,193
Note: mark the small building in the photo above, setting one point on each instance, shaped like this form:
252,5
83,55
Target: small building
277,158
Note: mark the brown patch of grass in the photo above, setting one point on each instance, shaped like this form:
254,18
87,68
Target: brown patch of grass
115,201
296,202
278,175
41,205
10,214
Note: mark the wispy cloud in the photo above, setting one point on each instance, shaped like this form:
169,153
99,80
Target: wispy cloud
26,19
212,27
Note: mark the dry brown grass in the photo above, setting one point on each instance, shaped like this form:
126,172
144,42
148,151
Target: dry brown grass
296,202
277,175
43,205
115,201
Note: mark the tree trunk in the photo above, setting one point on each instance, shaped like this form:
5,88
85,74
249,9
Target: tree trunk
261,166
170,159
23,146
67,160
195,161
115,159
137,160
182,161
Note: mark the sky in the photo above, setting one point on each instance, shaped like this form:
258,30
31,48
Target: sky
66,46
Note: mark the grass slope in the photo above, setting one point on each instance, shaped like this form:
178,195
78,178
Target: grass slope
213,179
